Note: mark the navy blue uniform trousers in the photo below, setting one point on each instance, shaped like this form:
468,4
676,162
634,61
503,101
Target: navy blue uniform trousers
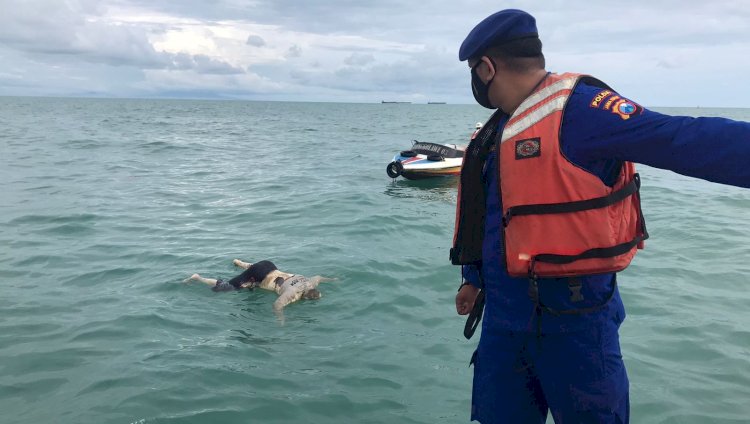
579,376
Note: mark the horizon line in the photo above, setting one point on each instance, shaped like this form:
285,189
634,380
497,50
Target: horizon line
222,99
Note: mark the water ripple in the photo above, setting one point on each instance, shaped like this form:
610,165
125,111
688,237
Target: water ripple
111,203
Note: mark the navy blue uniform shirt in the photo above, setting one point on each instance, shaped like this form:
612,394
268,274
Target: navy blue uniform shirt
598,140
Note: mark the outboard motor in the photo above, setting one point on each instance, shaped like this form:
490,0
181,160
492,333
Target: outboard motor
394,169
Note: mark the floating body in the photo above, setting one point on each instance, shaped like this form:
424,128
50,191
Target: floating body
265,275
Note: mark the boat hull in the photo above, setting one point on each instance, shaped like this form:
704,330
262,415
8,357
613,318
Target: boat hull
430,173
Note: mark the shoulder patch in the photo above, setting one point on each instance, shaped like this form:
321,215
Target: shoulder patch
626,108
600,97
609,102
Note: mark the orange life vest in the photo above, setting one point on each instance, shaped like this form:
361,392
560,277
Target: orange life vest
559,220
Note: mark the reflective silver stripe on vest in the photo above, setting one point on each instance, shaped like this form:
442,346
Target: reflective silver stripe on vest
534,117
565,84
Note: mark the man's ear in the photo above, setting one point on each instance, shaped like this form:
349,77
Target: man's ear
487,69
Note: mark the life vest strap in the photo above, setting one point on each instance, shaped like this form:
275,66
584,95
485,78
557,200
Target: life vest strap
469,232
581,205
597,252
600,252
475,316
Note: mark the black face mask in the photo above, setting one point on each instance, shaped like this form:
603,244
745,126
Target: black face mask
481,90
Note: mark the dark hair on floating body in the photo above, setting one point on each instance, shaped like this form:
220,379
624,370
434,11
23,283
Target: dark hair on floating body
521,55
256,273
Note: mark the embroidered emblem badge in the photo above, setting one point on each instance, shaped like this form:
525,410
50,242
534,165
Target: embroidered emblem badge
610,101
625,108
529,148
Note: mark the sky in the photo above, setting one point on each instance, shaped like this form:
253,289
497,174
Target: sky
656,52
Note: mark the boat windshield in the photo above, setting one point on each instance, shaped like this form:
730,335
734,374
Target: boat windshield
423,148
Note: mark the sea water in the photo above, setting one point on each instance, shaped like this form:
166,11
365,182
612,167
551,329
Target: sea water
107,205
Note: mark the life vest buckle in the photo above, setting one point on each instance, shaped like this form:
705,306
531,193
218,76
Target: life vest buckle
575,285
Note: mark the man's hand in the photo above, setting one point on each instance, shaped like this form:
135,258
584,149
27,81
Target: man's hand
465,299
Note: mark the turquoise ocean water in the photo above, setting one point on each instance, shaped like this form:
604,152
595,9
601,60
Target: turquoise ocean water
108,204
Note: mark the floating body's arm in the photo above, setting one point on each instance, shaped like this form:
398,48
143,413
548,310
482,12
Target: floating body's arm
197,277
284,299
314,281
241,264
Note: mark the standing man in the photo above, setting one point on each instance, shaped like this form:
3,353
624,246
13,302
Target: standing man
477,127
548,212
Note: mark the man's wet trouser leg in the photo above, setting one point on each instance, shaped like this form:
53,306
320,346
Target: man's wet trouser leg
506,389
579,376
583,376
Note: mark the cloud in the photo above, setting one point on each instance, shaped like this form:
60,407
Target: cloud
294,51
255,40
357,51
202,64
358,59
417,78
171,83
67,34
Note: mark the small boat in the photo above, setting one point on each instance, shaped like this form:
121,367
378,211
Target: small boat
426,160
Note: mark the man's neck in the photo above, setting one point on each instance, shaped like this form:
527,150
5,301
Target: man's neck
522,88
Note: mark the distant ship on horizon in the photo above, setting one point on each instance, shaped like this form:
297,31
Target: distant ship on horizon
408,103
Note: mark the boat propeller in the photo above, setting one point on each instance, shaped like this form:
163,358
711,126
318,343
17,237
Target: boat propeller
394,169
